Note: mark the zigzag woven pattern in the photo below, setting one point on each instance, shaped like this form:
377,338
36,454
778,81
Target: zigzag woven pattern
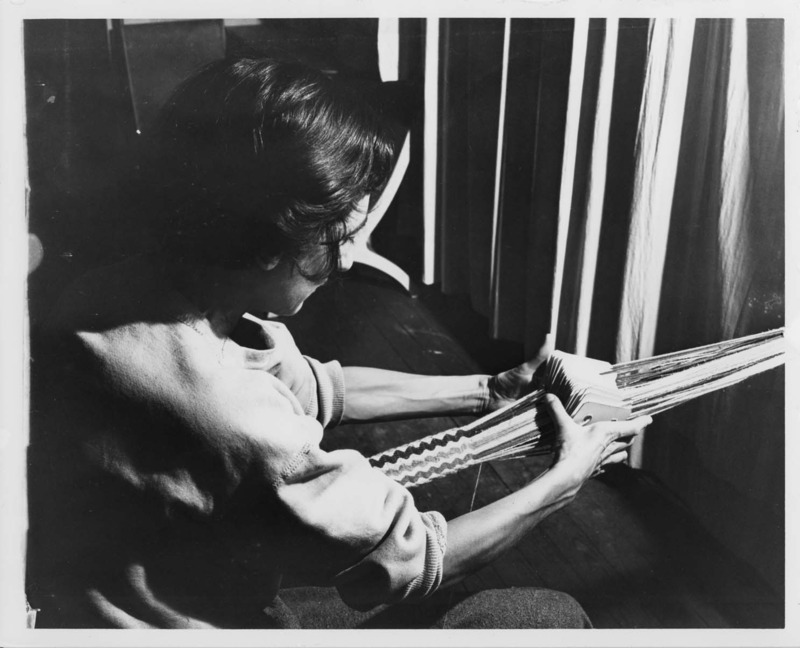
430,444
591,391
414,468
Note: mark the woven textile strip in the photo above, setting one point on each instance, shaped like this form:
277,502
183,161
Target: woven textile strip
591,391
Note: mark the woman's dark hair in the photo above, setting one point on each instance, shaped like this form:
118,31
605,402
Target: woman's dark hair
258,158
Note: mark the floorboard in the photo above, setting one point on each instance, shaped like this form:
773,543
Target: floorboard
625,548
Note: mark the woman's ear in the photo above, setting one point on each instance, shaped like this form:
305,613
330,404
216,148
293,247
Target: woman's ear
269,263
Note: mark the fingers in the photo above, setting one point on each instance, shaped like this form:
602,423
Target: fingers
617,457
622,445
615,453
541,356
557,411
618,452
621,429
615,429
546,350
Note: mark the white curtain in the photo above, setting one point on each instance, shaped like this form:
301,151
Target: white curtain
640,211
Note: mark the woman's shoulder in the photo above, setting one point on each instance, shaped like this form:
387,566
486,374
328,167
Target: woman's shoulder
126,330
122,321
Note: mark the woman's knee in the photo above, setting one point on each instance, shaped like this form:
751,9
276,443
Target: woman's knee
518,607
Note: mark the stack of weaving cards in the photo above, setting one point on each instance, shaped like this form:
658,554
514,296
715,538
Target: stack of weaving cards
586,387
591,391
653,385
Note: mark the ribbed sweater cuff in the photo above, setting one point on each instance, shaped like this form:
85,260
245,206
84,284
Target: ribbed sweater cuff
429,580
330,391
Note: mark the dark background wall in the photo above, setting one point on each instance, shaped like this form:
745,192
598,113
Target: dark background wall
94,87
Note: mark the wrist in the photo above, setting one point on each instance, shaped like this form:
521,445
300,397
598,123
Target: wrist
482,396
565,482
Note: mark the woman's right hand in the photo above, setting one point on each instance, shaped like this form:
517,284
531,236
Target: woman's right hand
478,537
584,451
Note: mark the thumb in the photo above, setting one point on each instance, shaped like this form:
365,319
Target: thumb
557,411
547,348
544,352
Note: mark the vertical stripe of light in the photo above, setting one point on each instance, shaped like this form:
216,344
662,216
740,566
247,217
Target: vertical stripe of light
431,135
597,185
735,261
657,146
389,68
498,169
658,138
577,67
389,48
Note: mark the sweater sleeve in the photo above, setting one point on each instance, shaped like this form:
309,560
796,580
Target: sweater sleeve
365,582
247,455
394,552
318,386
330,391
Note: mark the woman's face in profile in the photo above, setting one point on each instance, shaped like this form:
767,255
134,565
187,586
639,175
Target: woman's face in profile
287,287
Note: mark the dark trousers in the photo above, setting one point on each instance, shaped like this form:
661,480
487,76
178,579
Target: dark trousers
517,607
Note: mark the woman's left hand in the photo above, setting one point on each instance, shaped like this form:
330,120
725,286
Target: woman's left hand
506,387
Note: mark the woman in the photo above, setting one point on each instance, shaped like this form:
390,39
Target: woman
176,470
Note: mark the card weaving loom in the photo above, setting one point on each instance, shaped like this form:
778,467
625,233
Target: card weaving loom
591,390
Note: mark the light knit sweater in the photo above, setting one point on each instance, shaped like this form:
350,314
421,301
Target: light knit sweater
177,475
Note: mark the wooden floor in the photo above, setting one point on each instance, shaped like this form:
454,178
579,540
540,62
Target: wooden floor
625,549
